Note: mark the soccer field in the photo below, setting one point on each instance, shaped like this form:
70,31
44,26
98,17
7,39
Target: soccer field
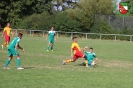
45,70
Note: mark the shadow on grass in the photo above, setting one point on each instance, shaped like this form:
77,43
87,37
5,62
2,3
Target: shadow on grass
82,64
29,67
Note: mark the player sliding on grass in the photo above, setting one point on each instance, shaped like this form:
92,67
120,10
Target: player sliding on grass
75,53
90,56
51,38
12,50
6,35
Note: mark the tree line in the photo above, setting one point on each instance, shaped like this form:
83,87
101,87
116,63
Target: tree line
40,15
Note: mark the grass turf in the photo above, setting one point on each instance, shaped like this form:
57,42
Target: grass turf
45,70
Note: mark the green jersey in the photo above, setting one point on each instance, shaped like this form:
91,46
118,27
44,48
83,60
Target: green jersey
51,35
90,56
14,42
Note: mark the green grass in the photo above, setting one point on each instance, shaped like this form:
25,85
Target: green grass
45,70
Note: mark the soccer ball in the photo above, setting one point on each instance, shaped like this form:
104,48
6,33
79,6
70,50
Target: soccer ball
93,63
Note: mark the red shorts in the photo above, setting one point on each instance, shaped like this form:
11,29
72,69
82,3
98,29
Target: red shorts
78,55
7,38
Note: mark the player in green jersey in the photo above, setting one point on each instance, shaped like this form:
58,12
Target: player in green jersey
12,51
90,56
51,38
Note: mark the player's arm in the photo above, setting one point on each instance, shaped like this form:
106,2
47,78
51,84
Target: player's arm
19,47
97,59
84,49
3,33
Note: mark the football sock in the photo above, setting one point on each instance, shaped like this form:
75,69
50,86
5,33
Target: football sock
70,60
48,48
18,62
4,44
86,62
7,62
51,47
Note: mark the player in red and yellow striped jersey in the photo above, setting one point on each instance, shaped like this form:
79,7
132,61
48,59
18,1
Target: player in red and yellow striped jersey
75,53
6,35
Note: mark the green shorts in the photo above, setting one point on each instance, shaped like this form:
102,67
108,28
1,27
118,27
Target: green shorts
51,41
12,52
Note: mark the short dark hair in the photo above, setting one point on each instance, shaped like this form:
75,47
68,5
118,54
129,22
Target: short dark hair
74,37
20,34
91,48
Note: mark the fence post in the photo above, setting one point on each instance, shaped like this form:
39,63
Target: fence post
131,38
100,36
86,36
16,31
71,35
30,32
43,33
115,37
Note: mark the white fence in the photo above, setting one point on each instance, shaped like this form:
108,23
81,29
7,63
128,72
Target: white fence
85,35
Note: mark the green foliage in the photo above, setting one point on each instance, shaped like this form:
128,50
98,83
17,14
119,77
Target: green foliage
14,10
38,22
101,27
64,23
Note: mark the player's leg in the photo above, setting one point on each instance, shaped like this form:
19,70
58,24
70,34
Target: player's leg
86,60
70,60
81,55
52,44
9,59
18,63
15,53
48,47
4,43
7,40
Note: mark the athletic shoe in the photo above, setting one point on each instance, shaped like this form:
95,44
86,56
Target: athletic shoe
2,46
63,62
20,68
6,68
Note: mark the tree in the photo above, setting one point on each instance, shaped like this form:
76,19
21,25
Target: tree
86,10
14,10
64,23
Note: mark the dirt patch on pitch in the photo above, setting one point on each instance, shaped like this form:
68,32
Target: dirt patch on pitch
117,63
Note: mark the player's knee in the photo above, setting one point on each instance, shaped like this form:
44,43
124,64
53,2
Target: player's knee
85,57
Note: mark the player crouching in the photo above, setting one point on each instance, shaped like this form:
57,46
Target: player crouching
90,56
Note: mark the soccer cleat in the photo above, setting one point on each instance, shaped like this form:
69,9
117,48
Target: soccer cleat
20,68
2,46
63,62
6,68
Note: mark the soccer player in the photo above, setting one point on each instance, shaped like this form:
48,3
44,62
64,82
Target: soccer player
90,56
51,37
75,53
12,50
6,35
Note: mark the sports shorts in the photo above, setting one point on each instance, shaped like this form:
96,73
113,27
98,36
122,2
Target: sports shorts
12,52
7,38
77,55
51,41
